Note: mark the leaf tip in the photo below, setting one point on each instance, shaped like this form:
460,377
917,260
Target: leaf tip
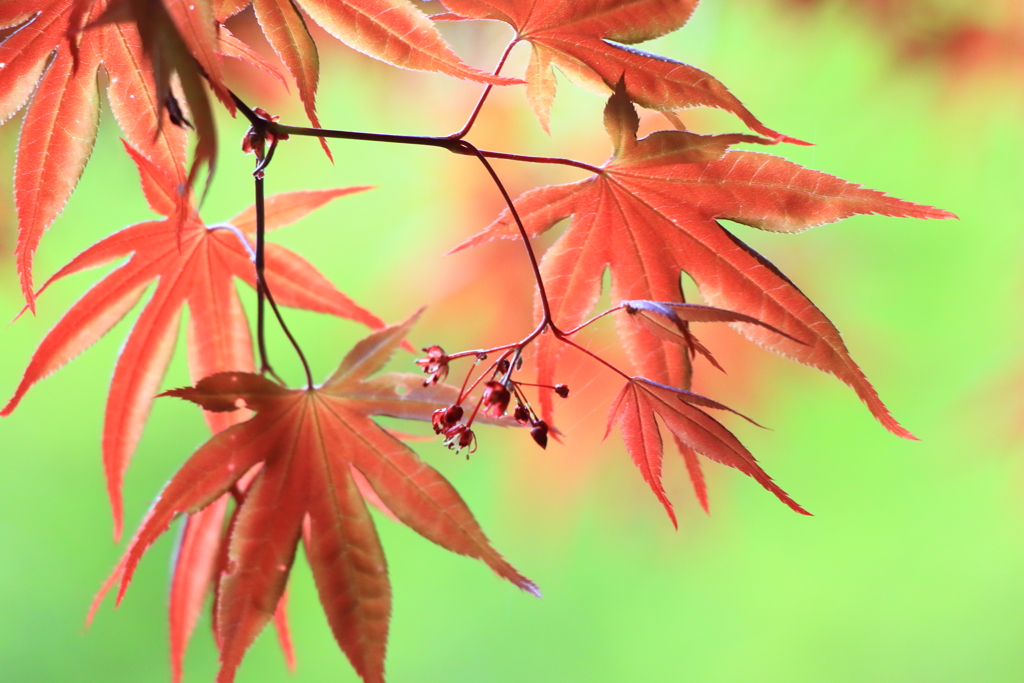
530,587
9,408
327,150
793,141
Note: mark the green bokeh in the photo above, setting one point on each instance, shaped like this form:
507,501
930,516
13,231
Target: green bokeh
912,569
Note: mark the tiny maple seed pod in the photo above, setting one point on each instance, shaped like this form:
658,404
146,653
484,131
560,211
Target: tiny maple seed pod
496,399
444,419
539,433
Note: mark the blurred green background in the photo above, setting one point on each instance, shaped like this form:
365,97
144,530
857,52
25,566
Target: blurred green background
911,570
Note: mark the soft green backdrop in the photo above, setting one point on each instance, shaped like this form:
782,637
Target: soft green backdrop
912,570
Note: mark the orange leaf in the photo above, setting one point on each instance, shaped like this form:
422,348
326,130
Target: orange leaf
588,41
55,144
195,266
396,32
309,443
696,431
287,33
652,213
287,207
230,46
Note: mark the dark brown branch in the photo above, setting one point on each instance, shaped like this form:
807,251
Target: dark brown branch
263,290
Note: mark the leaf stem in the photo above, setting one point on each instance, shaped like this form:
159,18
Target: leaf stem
483,97
592,320
565,340
291,338
259,263
455,144
539,160
263,290
546,306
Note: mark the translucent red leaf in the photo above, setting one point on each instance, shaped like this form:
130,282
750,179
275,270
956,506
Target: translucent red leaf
287,207
588,41
396,32
135,102
230,46
643,441
652,213
194,20
24,56
310,442
670,322
156,183
192,265
61,121
284,633
634,412
286,31
55,143
225,9
193,573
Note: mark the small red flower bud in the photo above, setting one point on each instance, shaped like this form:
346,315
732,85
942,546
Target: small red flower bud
435,365
437,420
540,433
521,414
496,398
445,418
454,414
460,436
255,141
562,390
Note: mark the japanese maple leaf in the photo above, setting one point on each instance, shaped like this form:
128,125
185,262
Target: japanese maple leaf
588,40
393,31
634,410
193,265
308,444
651,213
61,121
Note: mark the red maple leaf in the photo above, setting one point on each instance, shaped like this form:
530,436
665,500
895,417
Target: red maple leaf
651,213
393,31
587,42
196,266
309,446
695,431
60,125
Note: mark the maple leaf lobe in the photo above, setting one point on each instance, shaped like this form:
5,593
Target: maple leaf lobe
309,444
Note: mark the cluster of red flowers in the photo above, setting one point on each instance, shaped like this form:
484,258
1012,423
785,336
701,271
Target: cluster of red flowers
494,402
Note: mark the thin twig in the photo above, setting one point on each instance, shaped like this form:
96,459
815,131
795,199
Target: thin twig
259,263
263,290
483,97
291,337
522,233
539,160
592,320
593,355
